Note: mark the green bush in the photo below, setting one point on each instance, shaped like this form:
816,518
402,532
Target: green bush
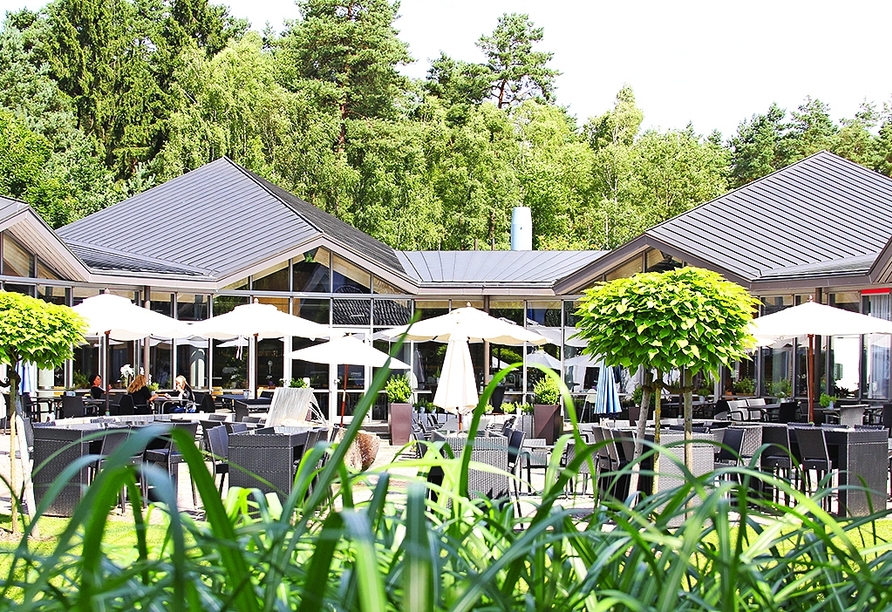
744,386
398,389
825,400
546,391
297,383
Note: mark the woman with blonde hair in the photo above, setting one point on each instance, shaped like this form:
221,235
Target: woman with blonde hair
183,400
141,394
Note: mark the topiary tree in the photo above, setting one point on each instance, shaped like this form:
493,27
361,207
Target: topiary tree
689,319
37,332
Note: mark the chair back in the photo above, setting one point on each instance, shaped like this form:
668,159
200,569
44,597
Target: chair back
732,440
515,442
777,439
218,443
812,444
112,438
73,406
232,428
241,410
126,406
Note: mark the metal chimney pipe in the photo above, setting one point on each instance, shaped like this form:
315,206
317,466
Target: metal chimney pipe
521,229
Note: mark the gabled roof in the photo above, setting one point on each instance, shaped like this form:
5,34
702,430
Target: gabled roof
823,216
493,268
820,209
21,222
217,220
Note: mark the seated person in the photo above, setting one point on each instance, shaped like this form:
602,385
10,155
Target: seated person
182,399
141,394
96,390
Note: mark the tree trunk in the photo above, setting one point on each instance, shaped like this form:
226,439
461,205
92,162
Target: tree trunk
647,387
14,379
658,389
688,418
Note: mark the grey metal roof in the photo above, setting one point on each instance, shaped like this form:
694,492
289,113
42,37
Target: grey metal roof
840,267
821,209
9,208
110,261
526,268
219,218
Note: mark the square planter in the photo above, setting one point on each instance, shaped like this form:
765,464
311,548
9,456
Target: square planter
399,421
547,422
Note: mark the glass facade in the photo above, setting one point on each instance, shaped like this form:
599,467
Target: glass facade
328,289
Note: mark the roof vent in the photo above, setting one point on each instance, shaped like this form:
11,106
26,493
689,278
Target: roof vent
521,229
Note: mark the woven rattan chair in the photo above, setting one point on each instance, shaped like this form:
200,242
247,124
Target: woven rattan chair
812,442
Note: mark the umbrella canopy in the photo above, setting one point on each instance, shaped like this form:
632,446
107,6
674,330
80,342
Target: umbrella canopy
348,350
457,390
261,321
469,324
607,398
540,357
812,319
117,317
258,321
557,335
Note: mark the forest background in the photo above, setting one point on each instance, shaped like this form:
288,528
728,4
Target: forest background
103,99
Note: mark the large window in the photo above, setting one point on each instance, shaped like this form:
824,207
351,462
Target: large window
312,273
877,350
16,260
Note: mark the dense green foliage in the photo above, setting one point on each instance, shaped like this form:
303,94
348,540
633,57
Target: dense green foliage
687,318
101,99
366,541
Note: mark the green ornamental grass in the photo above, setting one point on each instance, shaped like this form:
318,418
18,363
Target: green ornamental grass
373,541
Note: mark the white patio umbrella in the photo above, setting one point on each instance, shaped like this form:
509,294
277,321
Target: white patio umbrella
469,324
347,351
114,317
258,321
812,319
558,335
540,357
457,389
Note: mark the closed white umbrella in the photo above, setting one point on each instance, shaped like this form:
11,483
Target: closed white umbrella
470,324
812,319
457,387
347,351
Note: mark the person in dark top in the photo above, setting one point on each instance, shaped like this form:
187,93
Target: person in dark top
96,390
140,392
182,399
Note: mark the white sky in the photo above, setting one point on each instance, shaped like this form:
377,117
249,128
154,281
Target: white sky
709,62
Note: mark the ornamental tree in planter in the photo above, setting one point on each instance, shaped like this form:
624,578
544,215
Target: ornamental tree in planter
688,319
547,420
399,417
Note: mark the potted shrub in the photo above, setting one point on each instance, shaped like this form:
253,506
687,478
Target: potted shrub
547,419
399,417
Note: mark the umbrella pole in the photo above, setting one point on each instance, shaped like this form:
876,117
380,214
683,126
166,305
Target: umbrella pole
105,368
344,397
810,359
